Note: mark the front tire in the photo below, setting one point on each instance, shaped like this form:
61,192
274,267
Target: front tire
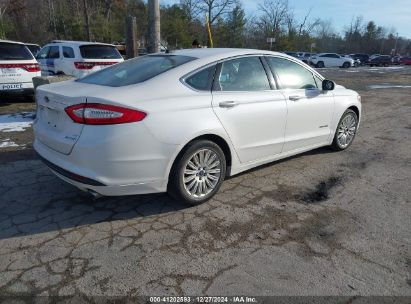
346,131
346,65
320,64
197,173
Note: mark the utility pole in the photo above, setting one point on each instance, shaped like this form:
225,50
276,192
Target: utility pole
395,47
131,37
153,26
86,17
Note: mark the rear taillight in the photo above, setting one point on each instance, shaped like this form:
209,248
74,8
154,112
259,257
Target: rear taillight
90,65
102,114
29,67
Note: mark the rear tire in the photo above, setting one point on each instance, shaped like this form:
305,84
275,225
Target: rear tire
346,131
197,173
320,64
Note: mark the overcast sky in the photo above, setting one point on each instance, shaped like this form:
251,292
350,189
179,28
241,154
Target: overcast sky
388,13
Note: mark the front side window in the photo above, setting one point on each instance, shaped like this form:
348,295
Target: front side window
202,80
243,74
43,53
68,52
136,70
291,74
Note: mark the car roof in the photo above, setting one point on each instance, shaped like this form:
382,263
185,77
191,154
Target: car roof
78,43
10,41
216,53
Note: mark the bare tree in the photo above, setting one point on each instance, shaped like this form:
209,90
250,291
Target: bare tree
275,14
214,8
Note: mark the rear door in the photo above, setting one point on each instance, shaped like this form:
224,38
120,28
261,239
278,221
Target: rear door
252,113
310,109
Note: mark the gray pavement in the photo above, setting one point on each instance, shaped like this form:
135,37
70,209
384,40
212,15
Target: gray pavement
322,223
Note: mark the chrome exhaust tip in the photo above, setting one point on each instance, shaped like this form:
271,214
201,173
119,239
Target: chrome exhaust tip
94,194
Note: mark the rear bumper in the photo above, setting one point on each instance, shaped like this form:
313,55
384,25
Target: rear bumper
27,89
112,165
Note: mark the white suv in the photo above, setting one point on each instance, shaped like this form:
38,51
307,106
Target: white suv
76,58
326,60
17,68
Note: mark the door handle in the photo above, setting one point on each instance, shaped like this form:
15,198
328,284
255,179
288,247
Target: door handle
295,98
228,104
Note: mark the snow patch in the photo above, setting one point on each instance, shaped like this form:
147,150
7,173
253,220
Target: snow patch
6,143
16,122
388,86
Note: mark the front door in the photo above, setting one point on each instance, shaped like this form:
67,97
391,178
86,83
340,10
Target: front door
310,109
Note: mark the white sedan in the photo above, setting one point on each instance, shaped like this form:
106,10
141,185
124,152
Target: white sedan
181,122
327,60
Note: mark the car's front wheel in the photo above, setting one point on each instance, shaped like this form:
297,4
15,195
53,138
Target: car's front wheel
346,130
320,64
197,173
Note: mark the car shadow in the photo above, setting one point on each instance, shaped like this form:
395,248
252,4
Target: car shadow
322,150
33,200
8,99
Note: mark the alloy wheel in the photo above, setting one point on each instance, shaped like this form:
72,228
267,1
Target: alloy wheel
202,172
346,130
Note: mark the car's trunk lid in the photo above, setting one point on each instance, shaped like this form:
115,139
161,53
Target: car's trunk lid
53,127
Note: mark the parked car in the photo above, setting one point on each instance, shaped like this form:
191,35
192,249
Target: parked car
34,48
374,56
181,122
406,60
396,59
76,58
293,54
363,58
383,60
17,68
357,62
331,60
306,57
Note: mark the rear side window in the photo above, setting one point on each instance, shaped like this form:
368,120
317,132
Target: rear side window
54,52
99,52
10,51
202,80
135,70
68,52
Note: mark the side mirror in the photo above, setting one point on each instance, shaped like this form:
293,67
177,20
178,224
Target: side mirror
328,85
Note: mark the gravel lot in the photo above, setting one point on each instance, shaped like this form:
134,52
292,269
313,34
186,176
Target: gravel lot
321,223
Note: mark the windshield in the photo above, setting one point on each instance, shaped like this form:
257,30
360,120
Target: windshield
9,51
99,52
135,70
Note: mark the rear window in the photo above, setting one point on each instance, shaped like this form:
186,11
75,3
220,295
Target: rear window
135,70
9,51
99,52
